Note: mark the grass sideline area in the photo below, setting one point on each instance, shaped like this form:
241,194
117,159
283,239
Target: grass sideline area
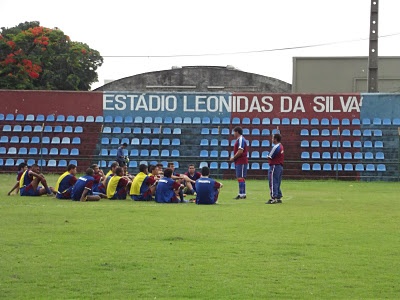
328,240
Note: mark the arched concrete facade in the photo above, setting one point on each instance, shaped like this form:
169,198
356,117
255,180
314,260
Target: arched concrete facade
199,79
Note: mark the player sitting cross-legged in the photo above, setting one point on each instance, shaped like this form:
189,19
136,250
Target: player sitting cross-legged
29,183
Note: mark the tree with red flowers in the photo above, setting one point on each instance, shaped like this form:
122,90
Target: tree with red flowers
36,57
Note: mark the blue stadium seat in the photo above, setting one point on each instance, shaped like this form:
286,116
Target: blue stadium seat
304,121
356,132
145,142
40,118
377,121
137,130
134,152
155,142
74,162
335,122
367,144
41,163
35,140
326,155
226,121
381,168
295,121
108,119
105,141
81,119
206,120
68,129
52,163
367,132
305,155
14,140
266,121
255,131
29,118
387,121
378,144
30,162
346,144
377,132
265,143
4,139
62,163
224,166
246,121
175,153
275,131
314,132
359,167
348,167
135,141
12,150
157,130
366,121
265,132
128,120
167,130
325,144
203,164
214,153
158,120
3,150
255,143
124,140
205,131
316,155
74,151
118,119
144,152
315,144
214,142
214,131
246,131
165,142
149,120
196,120
379,155
337,167
346,132
204,153
204,142
355,121
17,128
305,143
48,129
357,144
347,155
9,162
369,155
37,128
345,122
236,121
53,151
264,154
78,129
324,122
70,118
117,130
276,121
335,132
154,153
146,130
358,155
113,152
213,165
9,117
224,143
265,166
76,140
255,166
27,128
89,119
138,120
66,140
327,167
285,121
305,167
175,142
103,152
216,120
224,154
187,120
168,120
314,121
46,140
370,168
24,140
304,132
133,164
256,121
60,118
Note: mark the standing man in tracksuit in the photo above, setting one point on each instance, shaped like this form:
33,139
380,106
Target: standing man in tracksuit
275,160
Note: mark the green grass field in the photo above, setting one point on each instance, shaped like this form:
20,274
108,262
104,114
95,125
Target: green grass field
328,240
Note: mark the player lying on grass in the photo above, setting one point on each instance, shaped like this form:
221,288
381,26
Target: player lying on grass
207,189
144,185
118,186
168,189
29,183
22,167
65,183
82,190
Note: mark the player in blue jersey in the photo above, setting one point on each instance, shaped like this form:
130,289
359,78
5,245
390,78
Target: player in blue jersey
22,167
143,185
207,189
241,161
168,189
82,190
275,160
65,183
29,183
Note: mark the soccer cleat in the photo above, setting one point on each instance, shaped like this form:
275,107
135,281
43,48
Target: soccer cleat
184,201
239,197
278,200
271,201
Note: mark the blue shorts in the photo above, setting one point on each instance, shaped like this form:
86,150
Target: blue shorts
241,171
65,195
146,196
30,191
119,195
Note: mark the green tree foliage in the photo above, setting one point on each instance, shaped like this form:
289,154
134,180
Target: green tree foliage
39,58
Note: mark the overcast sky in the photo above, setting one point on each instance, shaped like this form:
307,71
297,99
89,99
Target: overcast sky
183,27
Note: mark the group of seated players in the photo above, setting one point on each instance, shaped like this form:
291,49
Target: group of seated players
151,183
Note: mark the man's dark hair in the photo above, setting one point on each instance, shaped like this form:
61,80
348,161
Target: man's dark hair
170,164
160,166
21,166
119,171
142,168
205,171
89,172
238,129
114,164
151,168
167,173
125,144
277,137
190,165
34,165
94,166
70,167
